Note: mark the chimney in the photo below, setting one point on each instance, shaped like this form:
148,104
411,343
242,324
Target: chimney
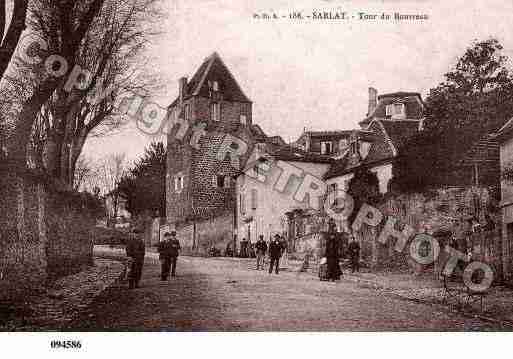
373,100
182,85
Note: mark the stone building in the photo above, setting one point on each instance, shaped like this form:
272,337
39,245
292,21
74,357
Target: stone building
275,183
200,187
390,121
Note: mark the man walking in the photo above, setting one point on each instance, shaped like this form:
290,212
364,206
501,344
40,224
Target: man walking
243,248
165,257
261,249
174,251
275,252
136,250
354,254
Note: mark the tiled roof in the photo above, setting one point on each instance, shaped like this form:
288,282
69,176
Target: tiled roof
329,133
214,69
387,141
505,130
400,130
411,100
289,153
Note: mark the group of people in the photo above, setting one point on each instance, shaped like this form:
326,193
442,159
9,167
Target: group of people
276,249
169,249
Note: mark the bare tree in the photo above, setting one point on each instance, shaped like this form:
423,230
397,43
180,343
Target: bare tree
84,174
63,25
110,54
108,176
9,39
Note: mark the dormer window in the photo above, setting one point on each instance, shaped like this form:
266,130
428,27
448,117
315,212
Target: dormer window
326,147
215,111
244,113
354,147
186,112
396,110
342,144
353,143
213,86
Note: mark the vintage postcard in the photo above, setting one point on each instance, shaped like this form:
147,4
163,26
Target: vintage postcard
255,166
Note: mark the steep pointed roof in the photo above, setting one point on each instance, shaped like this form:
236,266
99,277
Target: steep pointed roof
214,69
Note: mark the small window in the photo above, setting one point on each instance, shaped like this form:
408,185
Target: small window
398,109
179,183
242,203
326,147
354,147
221,181
186,111
215,111
389,110
333,194
395,110
254,199
215,86
243,119
342,144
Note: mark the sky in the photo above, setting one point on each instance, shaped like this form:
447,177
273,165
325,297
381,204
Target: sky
312,74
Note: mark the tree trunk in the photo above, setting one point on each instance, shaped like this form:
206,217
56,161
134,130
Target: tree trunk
12,37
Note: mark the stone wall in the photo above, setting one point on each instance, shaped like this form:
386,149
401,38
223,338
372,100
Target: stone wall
442,210
197,237
43,234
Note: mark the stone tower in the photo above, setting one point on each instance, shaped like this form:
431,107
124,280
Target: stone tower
200,189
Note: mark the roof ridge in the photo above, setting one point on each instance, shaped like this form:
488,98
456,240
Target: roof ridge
199,85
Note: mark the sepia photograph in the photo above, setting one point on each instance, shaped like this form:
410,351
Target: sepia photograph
311,166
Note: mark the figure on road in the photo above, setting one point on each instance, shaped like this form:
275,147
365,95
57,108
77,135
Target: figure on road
174,252
261,250
332,257
167,255
354,254
275,252
243,248
136,250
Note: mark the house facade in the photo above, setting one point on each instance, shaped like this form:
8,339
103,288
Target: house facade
270,187
373,149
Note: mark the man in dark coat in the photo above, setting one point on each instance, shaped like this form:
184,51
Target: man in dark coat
353,251
244,248
174,251
136,250
332,257
165,256
261,250
275,252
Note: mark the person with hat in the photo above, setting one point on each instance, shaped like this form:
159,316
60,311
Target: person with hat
353,251
168,250
275,252
261,249
136,250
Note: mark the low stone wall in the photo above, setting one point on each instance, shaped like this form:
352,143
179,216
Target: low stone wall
44,234
198,237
